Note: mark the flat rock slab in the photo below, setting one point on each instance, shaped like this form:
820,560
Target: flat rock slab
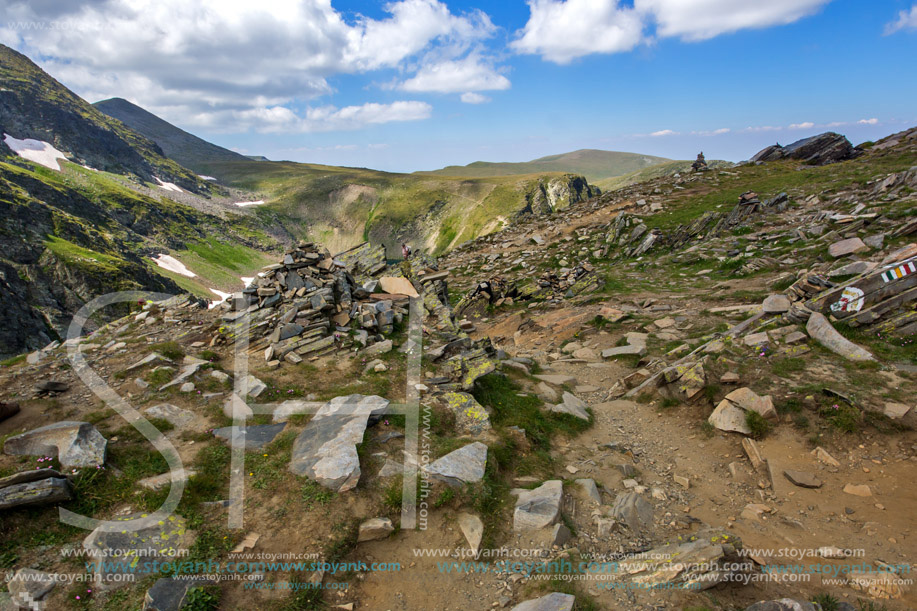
590,489
803,479
821,330
75,444
41,492
787,604
470,417
756,339
556,379
538,508
697,565
176,416
376,528
896,411
776,304
847,247
255,436
473,529
572,405
748,400
159,541
728,417
397,286
554,601
858,490
627,350
326,449
465,465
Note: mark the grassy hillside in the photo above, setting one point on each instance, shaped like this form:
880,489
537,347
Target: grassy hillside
669,168
187,149
341,207
34,105
595,165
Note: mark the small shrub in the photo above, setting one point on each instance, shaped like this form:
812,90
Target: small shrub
757,424
170,350
842,416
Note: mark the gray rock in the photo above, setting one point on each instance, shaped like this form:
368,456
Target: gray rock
75,444
552,602
592,491
538,508
572,405
255,436
776,304
38,492
628,350
252,386
560,535
157,541
697,565
376,528
470,417
379,348
556,379
847,247
855,268
326,449
30,586
633,510
176,416
465,465
728,417
821,330
170,594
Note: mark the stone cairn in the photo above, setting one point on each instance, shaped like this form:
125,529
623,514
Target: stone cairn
700,164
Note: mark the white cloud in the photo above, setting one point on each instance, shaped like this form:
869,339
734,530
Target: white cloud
804,125
327,118
720,131
664,132
872,121
210,62
694,20
469,97
454,76
563,31
907,20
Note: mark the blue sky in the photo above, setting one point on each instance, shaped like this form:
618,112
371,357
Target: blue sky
420,84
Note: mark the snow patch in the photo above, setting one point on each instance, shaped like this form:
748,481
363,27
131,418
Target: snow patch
243,204
173,265
246,281
168,186
202,177
38,151
223,297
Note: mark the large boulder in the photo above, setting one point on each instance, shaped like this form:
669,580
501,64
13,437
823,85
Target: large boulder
822,149
37,487
75,444
326,450
708,559
633,510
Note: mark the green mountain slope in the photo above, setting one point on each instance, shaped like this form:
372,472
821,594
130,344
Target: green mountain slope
669,168
34,105
341,207
187,149
594,164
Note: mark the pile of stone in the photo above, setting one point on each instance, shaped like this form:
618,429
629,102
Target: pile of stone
311,303
700,164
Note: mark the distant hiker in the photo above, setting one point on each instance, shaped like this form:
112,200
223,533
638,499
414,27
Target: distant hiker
405,251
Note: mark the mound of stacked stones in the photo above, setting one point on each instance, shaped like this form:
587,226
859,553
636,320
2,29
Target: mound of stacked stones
312,303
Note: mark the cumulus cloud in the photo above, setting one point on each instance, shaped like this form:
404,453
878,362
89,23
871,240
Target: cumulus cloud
234,63
470,97
872,121
803,125
907,20
454,76
694,20
563,30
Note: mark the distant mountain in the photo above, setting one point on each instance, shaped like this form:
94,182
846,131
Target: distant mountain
594,164
35,106
187,149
